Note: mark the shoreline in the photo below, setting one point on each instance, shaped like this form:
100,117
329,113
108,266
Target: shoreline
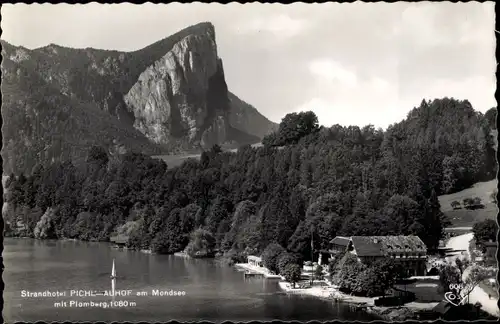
65,239
258,270
328,292
367,304
182,255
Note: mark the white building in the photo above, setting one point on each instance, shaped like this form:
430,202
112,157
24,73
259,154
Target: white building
255,261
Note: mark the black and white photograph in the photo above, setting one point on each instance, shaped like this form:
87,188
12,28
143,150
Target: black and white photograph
249,162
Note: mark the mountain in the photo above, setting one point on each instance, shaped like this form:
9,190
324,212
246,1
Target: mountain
247,118
168,97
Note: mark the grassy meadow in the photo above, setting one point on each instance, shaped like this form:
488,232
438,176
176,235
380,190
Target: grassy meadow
464,217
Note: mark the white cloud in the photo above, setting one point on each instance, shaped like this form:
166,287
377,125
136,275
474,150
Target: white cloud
324,109
378,100
279,25
367,102
418,27
431,24
482,32
330,112
480,91
331,71
380,84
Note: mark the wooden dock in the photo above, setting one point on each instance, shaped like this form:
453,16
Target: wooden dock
249,273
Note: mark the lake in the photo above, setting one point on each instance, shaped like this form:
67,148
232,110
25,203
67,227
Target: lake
212,291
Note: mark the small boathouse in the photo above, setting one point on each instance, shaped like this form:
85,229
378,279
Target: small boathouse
255,261
119,240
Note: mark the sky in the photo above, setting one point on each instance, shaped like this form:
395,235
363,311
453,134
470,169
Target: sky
351,63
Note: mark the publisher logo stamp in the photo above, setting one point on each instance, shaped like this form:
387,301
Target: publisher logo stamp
458,293
453,299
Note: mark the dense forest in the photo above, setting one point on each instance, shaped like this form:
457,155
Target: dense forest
306,180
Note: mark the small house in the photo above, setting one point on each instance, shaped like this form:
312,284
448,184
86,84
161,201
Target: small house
340,243
119,240
490,251
255,261
442,308
20,226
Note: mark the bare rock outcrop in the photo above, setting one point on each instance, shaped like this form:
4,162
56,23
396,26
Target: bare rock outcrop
170,98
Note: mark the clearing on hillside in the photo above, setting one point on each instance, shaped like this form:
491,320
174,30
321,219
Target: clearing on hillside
174,160
465,217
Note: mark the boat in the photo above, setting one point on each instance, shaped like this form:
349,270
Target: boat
113,271
113,281
113,278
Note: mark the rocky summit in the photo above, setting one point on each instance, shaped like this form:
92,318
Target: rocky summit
166,98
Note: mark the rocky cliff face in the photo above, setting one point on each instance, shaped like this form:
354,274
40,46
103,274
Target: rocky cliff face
169,96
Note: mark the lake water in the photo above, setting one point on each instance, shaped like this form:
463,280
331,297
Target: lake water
213,291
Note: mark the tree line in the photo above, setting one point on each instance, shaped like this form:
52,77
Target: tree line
305,181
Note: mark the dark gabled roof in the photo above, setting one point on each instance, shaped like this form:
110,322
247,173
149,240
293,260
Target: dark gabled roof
383,245
442,307
254,258
490,244
119,239
340,240
444,249
365,246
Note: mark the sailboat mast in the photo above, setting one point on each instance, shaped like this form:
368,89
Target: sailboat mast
113,278
312,259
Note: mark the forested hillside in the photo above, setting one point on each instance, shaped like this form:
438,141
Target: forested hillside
45,126
325,181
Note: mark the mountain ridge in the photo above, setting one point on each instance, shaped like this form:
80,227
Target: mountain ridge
194,116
